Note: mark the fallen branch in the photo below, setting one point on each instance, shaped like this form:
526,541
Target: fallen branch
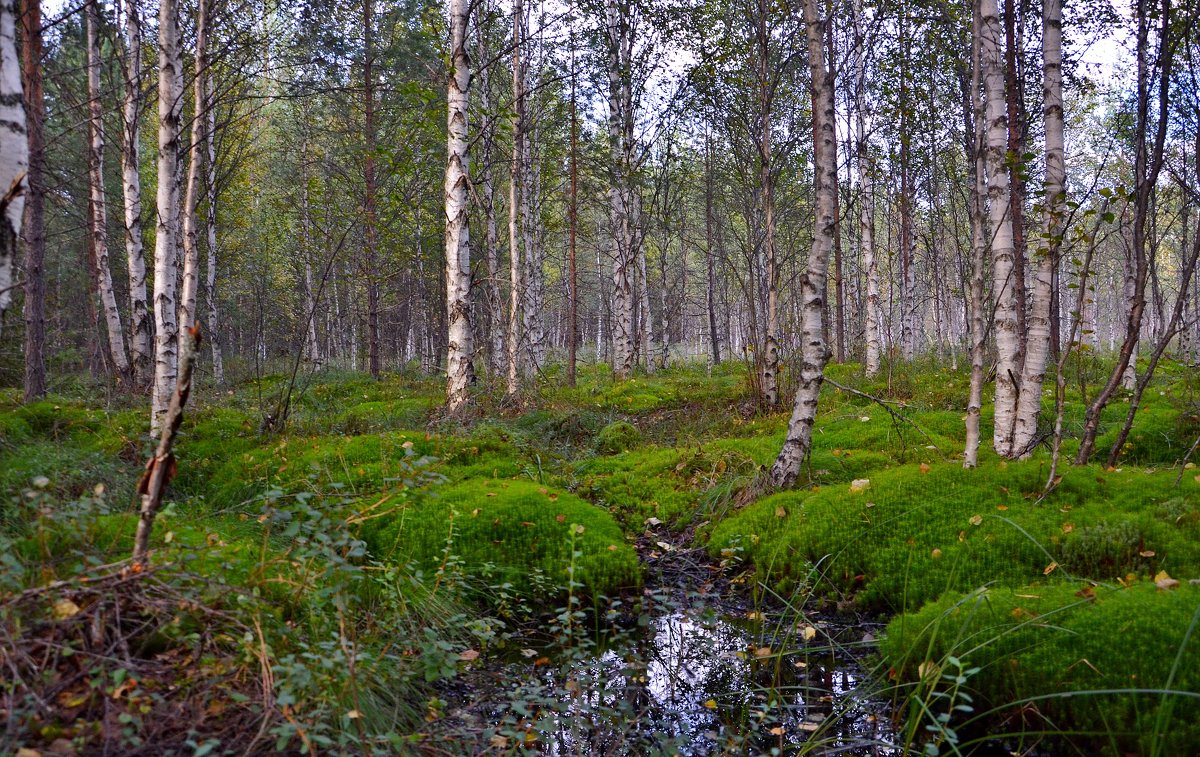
882,403
161,467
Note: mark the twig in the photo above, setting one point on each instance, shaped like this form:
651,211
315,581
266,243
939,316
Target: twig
895,414
1184,462
161,467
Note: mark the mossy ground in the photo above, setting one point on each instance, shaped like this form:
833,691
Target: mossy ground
493,502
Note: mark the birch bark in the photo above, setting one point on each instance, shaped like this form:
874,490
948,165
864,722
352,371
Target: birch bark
140,350
166,252
14,152
191,244
210,223
866,220
1004,283
1037,339
814,352
97,202
515,203
460,348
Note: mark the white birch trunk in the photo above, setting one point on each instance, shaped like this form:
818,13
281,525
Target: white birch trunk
140,350
1037,324
98,216
166,241
191,244
1008,340
14,152
210,222
814,352
866,202
515,205
460,348
620,102
491,251
978,203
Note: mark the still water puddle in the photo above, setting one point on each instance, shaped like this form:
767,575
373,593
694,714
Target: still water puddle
694,681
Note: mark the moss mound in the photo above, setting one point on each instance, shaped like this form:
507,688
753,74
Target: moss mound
915,532
618,437
509,528
1074,655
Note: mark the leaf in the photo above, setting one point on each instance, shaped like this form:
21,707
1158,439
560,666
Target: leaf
762,652
468,655
710,704
936,553
1068,528
1050,569
809,633
353,715
498,741
780,512
976,520
65,608
1147,553
560,518
776,731
924,467
859,485
1164,582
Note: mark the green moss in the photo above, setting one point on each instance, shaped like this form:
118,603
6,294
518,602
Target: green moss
1069,652
515,526
917,532
618,437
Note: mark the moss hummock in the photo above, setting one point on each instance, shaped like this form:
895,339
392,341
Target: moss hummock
1095,660
515,526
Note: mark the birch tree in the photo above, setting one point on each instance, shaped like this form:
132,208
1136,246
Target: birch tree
140,350
973,138
516,204
460,349
166,240
814,351
866,219
210,224
493,304
1004,283
619,29
1037,338
191,241
14,152
97,202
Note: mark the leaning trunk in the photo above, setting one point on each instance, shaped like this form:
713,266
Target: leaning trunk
814,352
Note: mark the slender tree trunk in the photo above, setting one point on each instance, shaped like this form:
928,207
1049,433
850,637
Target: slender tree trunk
460,348
710,280
210,222
769,359
620,50
14,152
866,215
166,250
515,204
1147,165
1037,340
973,133
493,303
369,206
1004,283
1014,107
573,221
191,241
98,203
34,220
814,352
140,350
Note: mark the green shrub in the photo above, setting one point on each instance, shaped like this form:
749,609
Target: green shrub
510,527
1067,652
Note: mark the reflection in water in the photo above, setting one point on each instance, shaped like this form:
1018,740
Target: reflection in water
692,682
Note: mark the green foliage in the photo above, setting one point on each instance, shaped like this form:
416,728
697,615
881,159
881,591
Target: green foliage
516,526
915,532
618,437
1065,654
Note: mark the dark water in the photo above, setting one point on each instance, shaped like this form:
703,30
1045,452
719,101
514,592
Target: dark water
696,676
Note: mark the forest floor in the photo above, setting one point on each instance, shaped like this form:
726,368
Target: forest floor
598,571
